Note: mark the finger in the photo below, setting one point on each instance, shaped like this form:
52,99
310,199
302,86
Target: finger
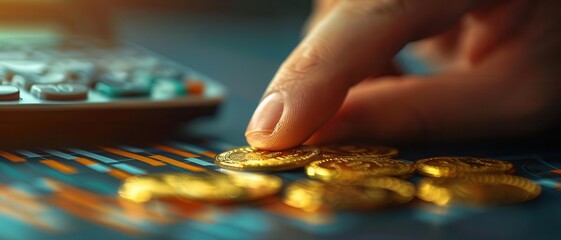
416,111
490,25
438,53
356,39
320,9
483,29
460,105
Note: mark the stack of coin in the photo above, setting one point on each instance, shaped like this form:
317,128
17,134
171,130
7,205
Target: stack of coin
343,176
374,158
350,177
472,181
208,187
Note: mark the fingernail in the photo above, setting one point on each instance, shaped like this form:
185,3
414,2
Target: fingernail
267,115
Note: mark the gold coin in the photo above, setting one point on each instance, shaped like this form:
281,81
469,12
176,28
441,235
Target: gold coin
402,191
356,168
143,188
252,159
211,187
257,186
373,193
480,189
358,151
205,187
224,188
459,166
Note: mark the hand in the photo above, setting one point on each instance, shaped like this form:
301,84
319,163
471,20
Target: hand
498,62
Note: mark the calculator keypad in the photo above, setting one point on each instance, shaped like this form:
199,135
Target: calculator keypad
84,72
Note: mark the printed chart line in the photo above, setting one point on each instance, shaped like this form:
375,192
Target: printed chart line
134,156
179,164
61,167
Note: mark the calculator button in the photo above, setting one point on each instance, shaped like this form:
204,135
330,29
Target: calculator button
25,81
9,93
6,75
194,87
80,77
169,88
52,78
167,72
60,92
116,89
142,77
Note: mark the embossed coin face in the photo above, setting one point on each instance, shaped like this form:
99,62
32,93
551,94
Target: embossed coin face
356,168
459,166
358,151
252,159
483,189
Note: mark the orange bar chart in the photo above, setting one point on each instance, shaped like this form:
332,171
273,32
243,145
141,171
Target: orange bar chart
134,156
11,157
61,167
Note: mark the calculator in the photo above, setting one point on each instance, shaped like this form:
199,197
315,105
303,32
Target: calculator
51,89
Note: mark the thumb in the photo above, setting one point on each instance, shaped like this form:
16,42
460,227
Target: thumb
356,39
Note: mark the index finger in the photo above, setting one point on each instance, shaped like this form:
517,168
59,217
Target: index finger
357,39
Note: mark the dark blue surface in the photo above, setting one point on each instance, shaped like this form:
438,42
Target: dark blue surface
55,203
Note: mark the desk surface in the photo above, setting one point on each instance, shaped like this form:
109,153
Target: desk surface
69,193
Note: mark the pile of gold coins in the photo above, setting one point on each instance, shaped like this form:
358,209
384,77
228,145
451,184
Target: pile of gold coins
347,177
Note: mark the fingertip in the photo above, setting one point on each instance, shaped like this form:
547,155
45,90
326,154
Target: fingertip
258,139
266,140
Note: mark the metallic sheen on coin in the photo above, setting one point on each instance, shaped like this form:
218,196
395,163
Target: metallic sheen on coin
252,159
356,168
143,188
224,188
208,187
460,166
373,193
483,189
358,151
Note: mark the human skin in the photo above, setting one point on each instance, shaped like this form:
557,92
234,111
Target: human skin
497,73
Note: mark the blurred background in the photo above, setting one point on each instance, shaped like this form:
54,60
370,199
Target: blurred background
240,43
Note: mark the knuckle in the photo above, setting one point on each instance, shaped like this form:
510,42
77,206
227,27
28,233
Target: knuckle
306,62
287,80
308,58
